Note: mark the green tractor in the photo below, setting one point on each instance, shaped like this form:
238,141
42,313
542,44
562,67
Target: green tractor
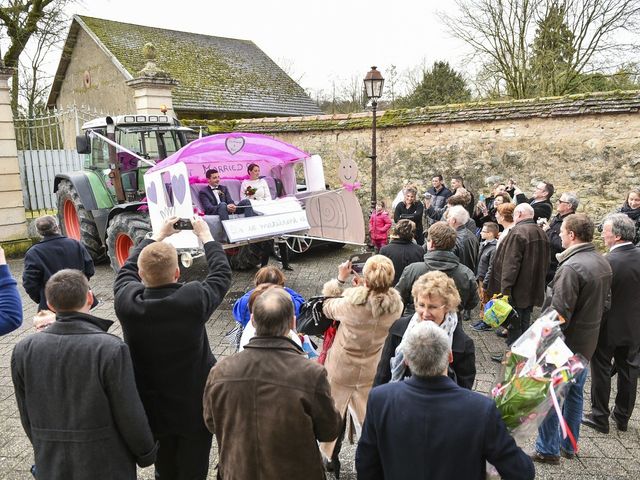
101,205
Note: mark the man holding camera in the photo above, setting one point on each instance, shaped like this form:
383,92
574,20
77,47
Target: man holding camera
163,322
540,201
567,204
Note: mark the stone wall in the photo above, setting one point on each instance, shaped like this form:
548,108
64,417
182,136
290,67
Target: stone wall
13,225
104,88
587,144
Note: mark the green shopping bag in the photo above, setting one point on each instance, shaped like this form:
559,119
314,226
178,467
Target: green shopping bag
497,310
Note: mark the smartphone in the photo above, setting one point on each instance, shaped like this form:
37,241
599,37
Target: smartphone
358,260
183,224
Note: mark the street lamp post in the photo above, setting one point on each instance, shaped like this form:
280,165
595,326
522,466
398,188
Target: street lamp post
373,84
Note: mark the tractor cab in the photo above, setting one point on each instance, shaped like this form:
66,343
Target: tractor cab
138,138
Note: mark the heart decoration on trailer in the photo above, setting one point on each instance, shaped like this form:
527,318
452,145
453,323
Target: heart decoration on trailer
179,185
152,194
234,144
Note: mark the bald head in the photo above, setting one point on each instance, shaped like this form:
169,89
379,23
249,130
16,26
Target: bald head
273,313
524,211
47,226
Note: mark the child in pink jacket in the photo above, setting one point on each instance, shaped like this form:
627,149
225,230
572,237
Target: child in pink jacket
379,225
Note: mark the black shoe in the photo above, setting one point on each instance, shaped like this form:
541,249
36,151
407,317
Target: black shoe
287,267
498,357
502,332
543,458
621,426
590,422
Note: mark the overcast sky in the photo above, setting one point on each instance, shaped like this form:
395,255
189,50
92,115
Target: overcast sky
321,41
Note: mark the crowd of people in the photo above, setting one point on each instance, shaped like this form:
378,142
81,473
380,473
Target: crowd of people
397,367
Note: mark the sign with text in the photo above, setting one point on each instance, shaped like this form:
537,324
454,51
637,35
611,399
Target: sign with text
250,228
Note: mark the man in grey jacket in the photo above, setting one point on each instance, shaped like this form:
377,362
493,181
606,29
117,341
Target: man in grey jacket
442,239
579,292
76,393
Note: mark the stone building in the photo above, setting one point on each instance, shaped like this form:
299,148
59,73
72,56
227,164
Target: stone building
216,77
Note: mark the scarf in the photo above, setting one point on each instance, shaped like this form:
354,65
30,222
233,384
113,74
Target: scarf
632,213
398,367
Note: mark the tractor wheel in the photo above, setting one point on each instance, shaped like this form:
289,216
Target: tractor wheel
77,222
245,257
125,231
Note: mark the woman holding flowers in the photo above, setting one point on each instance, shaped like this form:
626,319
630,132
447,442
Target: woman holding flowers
255,188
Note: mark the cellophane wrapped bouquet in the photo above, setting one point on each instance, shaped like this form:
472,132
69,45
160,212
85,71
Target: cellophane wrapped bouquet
534,376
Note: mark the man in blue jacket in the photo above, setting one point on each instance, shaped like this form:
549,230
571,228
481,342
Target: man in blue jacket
428,427
10,303
55,252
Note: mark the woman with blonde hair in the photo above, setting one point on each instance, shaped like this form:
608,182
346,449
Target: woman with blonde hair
365,312
436,299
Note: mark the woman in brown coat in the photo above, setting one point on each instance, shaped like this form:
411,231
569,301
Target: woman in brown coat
365,313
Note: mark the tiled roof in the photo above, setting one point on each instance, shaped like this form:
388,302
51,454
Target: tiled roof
214,74
595,103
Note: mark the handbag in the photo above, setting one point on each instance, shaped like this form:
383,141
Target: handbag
497,310
311,320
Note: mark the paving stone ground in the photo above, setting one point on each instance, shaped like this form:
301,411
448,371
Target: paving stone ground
612,456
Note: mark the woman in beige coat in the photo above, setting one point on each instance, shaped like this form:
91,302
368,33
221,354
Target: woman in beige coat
365,313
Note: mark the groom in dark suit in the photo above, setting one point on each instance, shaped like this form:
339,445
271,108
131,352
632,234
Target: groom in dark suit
619,331
216,200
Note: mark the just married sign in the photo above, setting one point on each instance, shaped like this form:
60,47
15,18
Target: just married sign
250,228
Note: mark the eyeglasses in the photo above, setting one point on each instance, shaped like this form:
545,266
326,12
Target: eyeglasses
563,201
431,308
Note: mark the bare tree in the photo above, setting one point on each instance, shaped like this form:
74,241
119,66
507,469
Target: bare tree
501,33
34,82
19,20
598,26
288,66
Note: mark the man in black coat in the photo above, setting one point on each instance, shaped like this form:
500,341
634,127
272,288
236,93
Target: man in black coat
402,250
55,252
540,201
164,325
619,337
426,426
567,204
76,392
439,192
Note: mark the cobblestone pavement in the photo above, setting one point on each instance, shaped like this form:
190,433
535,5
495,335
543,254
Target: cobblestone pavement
612,456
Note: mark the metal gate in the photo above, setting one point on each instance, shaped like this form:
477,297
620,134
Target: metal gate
43,153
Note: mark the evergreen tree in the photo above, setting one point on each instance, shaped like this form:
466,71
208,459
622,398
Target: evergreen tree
440,85
553,54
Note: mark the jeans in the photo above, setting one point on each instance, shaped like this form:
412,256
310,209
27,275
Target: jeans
549,439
